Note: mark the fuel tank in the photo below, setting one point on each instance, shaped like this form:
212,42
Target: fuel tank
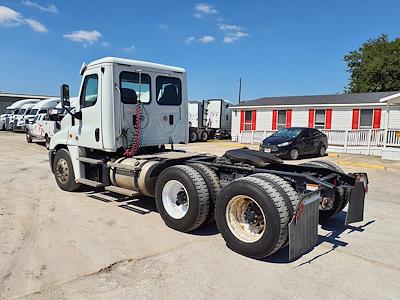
142,180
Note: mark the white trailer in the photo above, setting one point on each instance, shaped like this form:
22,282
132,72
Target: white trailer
207,118
114,141
7,119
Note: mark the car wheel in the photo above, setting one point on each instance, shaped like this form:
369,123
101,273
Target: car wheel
294,154
322,151
28,137
47,142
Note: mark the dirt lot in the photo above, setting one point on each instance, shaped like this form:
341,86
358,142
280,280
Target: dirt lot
55,244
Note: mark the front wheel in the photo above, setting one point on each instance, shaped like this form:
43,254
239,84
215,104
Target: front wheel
47,142
28,137
64,171
294,154
322,151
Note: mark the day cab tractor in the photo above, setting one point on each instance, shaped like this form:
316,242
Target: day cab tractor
115,137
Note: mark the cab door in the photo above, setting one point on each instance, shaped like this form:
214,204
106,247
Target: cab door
88,128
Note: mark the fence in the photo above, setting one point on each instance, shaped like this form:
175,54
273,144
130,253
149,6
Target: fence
342,140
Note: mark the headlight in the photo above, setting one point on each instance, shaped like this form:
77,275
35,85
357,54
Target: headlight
284,144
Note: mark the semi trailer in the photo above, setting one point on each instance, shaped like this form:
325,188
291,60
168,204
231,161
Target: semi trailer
207,118
115,140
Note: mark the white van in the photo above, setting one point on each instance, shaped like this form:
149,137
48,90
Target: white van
40,108
7,119
19,122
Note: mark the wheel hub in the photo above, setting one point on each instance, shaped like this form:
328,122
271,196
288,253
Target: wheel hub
175,199
62,171
181,198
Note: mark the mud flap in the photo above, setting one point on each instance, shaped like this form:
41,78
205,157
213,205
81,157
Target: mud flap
303,228
355,210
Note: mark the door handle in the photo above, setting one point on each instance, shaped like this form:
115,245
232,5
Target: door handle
97,134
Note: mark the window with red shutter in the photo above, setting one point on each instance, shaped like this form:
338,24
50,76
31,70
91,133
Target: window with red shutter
311,114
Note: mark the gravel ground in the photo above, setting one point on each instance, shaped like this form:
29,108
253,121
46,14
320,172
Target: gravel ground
55,244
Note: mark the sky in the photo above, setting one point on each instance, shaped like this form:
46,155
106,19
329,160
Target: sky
278,48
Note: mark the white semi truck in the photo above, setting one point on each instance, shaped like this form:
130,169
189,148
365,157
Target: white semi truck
114,141
7,119
208,117
45,125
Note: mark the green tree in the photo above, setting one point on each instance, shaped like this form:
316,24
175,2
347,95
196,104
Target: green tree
375,66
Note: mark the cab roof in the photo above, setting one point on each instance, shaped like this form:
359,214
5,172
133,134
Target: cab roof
47,103
136,63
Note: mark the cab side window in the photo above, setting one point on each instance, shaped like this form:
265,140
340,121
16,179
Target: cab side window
169,90
89,91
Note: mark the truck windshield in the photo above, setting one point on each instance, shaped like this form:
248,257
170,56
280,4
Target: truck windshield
9,111
21,111
288,133
33,112
16,111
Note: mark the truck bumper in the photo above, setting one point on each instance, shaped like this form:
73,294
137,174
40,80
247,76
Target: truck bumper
303,227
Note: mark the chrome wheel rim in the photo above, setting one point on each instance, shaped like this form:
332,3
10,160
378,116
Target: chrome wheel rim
322,151
245,218
175,199
294,154
62,171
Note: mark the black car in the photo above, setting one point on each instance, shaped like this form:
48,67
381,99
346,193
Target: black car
295,141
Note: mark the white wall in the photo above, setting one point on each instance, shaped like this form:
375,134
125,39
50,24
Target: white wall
341,118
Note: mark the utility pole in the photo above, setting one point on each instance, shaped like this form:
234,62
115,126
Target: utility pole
240,89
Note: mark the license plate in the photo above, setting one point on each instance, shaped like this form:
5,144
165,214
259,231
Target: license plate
268,150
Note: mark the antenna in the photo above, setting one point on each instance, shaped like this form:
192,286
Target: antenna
240,89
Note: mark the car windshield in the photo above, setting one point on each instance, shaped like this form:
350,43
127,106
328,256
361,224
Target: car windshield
288,133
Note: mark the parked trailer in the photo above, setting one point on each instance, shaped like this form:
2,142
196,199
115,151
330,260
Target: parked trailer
208,117
114,140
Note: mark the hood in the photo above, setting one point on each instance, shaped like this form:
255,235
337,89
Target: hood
276,140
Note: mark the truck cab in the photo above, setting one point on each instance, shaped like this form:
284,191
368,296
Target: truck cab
105,115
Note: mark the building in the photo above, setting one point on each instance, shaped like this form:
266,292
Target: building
6,99
342,117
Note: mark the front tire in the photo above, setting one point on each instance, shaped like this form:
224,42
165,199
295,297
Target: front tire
294,154
322,151
252,217
64,171
28,137
47,142
182,198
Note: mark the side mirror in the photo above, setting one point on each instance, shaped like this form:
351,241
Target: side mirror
65,95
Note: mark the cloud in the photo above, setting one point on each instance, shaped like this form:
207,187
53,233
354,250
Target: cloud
232,33
204,9
35,25
49,8
130,49
106,44
12,18
190,39
206,39
83,36
9,17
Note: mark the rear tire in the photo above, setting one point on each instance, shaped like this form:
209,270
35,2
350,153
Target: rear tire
261,207
204,136
213,185
64,171
322,151
182,198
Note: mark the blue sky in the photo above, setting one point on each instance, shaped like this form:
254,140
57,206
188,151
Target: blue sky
277,47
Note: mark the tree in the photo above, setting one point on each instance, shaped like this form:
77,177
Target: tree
375,66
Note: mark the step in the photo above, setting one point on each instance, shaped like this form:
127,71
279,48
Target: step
123,167
89,160
122,191
89,182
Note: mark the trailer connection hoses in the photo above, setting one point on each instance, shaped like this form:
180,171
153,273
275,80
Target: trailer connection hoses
134,148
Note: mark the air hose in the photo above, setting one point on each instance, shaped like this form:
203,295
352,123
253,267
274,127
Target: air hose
134,148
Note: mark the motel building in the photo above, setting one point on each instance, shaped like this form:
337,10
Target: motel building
364,123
